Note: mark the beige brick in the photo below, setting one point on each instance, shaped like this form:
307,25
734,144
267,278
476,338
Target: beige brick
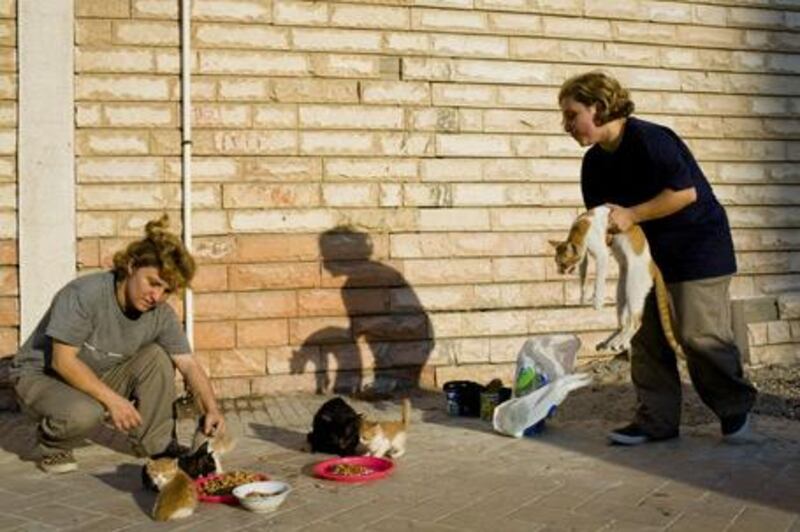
512,269
8,86
400,144
8,196
272,304
470,46
248,89
473,145
89,224
370,169
515,23
214,335
427,195
8,8
258,63
451,170
405,43
789,306
204,89
119,196
8,169
468,95
778,332
150,33
738,16
534,219
336,40
214,306
391,195
277,275
395,92
448,20
211,278
439,271
334,143
350,195
320,330
344,302
155,9
8,252
568,27
87,32
453,219
644,31
722,37
270,195
474,372
245,142
712,15
317,91
140,115
433,298
103,87
236,363
119,169
210,169
795,328
361,16
346,66
433,119
238,10
350,117
100,142
262,333
9,311
301,13
211,249
220,115
282,169
102,8
275,116
240,36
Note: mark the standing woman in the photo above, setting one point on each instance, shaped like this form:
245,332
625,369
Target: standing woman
648,176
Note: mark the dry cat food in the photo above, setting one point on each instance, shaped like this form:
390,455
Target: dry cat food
224,483
350,470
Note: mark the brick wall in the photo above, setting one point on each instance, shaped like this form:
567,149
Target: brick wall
9,285
433,128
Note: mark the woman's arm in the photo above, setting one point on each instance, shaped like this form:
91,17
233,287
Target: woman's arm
667,202
198,381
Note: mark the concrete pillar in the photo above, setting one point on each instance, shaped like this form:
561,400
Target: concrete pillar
46,159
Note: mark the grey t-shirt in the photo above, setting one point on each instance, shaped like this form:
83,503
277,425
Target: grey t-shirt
85,314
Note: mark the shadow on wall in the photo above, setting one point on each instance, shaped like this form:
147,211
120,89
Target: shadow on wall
384,315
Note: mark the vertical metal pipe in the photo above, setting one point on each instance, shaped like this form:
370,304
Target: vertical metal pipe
186,149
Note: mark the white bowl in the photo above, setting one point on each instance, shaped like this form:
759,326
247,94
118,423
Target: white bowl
263,496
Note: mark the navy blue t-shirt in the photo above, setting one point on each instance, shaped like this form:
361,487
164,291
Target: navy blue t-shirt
693,243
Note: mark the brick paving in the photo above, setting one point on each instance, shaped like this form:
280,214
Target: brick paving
457,475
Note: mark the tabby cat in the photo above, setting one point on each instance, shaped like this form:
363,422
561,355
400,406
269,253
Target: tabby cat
637,274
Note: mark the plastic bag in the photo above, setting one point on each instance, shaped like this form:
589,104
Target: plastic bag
542,381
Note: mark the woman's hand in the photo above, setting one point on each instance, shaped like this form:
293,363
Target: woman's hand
214,425
620,219
122,414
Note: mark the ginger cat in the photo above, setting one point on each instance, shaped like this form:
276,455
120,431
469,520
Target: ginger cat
177,496
386,438
637,274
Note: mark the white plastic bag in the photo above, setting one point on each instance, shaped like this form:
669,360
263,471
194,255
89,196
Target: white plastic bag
552,356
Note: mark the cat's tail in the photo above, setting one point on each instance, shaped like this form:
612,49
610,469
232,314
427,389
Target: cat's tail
664,314
406,412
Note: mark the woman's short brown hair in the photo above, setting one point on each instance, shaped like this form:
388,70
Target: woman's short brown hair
599,89
160,249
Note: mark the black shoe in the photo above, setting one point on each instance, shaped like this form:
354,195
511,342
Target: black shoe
633,434
736,429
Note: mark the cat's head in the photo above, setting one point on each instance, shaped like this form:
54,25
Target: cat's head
161,470
367,430
567,256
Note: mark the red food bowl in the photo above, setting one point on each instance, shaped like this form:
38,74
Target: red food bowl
376,468
200,483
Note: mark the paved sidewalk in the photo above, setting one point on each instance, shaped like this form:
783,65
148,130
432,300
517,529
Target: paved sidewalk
457,475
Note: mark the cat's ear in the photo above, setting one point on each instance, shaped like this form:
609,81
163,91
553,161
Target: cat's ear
554,243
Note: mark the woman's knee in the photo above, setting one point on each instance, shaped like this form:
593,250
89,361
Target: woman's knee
153,360
79,419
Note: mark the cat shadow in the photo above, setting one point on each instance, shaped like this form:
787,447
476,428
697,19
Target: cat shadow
288,439
127,479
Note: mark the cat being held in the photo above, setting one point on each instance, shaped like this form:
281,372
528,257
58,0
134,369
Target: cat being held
177,495
386,438
638,274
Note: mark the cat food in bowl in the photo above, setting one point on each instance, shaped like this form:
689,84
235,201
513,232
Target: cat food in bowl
262,496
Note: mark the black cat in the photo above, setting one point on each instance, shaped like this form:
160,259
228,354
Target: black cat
335,429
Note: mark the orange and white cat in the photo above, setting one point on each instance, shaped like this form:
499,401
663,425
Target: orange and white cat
386,438
638,274
177,495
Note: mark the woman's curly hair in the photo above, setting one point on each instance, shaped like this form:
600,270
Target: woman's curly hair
598,88
160,249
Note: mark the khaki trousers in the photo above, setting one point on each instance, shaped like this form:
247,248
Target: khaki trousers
66,415
703,328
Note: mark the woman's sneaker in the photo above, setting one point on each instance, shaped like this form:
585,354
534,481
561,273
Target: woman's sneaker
633,434
61,462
